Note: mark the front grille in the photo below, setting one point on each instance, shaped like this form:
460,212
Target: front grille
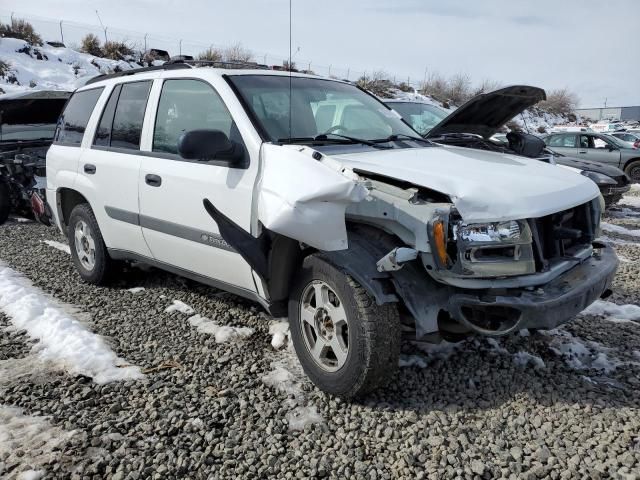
562,235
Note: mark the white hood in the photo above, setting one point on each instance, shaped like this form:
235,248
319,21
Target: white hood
484,186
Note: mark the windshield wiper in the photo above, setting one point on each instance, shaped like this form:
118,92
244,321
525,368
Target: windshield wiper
371,143
397,136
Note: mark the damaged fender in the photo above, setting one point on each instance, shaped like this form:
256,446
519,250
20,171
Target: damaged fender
308,202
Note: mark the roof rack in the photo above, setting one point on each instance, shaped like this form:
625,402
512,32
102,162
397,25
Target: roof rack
133,71
179,64
219,64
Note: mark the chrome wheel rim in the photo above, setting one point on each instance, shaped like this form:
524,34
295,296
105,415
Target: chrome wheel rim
85,245
324,326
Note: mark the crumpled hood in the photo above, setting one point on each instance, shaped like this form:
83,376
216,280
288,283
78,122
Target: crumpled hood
484,186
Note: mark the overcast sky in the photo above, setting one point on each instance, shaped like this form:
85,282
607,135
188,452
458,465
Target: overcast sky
588,46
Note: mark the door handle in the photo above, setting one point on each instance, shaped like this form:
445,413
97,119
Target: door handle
153,180
582,151
89,168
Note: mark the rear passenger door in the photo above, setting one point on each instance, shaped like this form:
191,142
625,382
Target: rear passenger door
112,166
174,222
565,143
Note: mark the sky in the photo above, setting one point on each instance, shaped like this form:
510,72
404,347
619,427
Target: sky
587,46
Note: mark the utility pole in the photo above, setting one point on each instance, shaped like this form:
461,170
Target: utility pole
145,42
102,25
348,71
61,34
180,47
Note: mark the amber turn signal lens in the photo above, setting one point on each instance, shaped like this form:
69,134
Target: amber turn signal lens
440,238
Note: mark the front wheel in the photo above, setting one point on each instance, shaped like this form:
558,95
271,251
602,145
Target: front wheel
347,344
633,170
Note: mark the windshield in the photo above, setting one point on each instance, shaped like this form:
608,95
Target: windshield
618,142
420,116
318,107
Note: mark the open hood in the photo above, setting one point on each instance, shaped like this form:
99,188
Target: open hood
487,113
32,107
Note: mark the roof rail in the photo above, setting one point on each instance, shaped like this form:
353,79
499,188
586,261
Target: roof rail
219,64
133,71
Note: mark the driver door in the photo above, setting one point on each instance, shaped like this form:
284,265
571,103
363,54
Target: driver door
175,225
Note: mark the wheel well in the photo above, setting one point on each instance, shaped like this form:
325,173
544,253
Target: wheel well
629,162
68,199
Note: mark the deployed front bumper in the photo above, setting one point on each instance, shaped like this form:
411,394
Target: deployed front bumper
498,312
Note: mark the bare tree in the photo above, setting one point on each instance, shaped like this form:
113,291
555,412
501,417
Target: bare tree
237,53
211,54
560,102
21,29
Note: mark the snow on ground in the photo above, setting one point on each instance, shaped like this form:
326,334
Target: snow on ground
136,289
578,354
60,246
50,68
279,331
631,201
287,377
62,340
432,351
525,358
222,333
181,307
614,312
30,441
610,227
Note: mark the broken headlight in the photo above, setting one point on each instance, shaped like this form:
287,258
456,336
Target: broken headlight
493,249
498,232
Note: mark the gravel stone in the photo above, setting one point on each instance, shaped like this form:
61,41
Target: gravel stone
203,410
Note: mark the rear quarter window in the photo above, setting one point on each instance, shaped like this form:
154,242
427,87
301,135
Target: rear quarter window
74,118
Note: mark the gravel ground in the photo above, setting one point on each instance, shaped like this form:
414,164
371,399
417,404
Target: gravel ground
515,408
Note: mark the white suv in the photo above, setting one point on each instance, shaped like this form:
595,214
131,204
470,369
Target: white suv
316,200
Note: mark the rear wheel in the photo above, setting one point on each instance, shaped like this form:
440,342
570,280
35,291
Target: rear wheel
347,344
633,170
88,251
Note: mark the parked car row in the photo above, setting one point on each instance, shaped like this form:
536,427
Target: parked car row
477,124
318,201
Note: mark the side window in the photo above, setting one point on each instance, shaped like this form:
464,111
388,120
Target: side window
129,115
74,118
103,132
568,141
189,105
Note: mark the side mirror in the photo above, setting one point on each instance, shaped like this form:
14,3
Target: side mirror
211,145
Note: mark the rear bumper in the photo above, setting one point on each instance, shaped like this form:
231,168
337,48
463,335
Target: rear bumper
546,307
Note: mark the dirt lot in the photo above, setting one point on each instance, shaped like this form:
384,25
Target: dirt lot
184,397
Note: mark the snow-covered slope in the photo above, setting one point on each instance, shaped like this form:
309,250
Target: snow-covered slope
49,68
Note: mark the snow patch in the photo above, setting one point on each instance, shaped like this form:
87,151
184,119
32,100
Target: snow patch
433,351
287,376
63,247
62,340
613,311
222,333
279,331
30,442
610,227
525,358
181,307
579,355
136,289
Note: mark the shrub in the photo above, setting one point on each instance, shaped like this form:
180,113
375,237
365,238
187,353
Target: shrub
32,83
559,102
237,53
21,29
542,129
116,50
4,68
91,44
211,54
377,83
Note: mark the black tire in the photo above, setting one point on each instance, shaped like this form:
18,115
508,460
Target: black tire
5,202
633,170
104,266
374,333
